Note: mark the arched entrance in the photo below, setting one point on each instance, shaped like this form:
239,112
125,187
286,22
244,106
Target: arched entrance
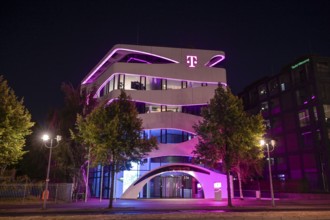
205,177
172,185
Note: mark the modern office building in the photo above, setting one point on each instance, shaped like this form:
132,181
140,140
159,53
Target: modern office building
169,86
295,104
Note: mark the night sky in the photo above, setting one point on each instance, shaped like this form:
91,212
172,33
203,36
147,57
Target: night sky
44,43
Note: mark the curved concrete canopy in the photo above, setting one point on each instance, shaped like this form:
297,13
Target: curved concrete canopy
205,177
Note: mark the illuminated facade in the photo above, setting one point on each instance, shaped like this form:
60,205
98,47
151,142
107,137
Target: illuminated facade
296,107
169,87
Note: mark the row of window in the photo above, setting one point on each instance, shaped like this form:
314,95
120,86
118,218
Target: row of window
305,118
274,106
135,82
153,108
299,74
168,136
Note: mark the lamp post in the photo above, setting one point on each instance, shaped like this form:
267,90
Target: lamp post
267,143
46,138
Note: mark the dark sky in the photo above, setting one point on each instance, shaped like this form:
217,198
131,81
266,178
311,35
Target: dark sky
47,42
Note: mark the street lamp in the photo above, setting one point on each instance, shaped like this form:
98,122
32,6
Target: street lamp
267,143
47,139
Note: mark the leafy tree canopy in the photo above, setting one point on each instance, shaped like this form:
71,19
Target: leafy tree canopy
226,133
15,125
114,133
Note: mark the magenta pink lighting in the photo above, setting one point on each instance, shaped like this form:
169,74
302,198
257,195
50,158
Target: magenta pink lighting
154,103
213,61
192,61
87,80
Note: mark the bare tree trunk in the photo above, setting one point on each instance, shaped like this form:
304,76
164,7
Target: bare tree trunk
112,184
229,189
240,186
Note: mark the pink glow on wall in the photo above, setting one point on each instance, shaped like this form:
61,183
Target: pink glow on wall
217,185
215,60
139,60
192,61
88,79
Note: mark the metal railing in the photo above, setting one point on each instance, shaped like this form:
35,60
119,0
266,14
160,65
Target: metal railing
57,191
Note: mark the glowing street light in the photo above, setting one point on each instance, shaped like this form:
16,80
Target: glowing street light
47,139
267,143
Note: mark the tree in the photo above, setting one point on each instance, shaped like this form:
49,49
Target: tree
249,157
222,133
15,125
70,156
114,133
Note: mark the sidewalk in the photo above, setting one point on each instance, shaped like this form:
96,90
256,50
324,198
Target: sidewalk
170,204
174,208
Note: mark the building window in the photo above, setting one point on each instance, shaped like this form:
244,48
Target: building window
273,87
300,74
174,84
307,139
264,106
315,114
132,82
303,96
275,107
262,91
168,136
304,119
285,82
326,109
264,109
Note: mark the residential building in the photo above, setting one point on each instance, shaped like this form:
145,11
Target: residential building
169,86
295,104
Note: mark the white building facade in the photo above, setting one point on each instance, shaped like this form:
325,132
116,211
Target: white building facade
169,87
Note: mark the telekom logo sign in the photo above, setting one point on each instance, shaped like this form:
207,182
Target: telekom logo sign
192,61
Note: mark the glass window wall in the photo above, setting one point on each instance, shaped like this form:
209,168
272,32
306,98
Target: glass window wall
169,136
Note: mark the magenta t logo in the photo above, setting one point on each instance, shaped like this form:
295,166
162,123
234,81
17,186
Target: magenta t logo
192,61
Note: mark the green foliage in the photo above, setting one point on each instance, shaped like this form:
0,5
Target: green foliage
15,125
249,158
70,155
217,132
114,133
228,135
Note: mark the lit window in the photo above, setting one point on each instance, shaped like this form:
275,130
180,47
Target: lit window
304,118
264,106
326,109
315,113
